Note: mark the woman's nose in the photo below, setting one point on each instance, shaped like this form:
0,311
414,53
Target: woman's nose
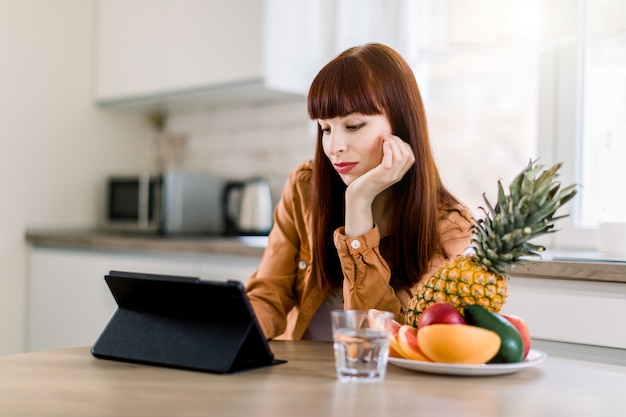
337,143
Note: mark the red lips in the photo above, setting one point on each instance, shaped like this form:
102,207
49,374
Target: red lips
344,167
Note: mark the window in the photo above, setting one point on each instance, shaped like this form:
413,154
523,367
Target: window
505,82
508,81
589,120
603,164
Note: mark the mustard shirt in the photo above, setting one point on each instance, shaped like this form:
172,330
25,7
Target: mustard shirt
283,291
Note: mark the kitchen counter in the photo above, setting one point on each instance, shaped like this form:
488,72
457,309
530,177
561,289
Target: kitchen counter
555,295
144,242
71,382
555,265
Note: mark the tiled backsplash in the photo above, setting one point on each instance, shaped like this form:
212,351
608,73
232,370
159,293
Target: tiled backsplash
238,143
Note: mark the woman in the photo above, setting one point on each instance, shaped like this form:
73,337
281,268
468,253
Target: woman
365,222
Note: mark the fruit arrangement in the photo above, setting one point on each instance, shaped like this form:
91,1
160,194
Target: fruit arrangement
501,239
475,337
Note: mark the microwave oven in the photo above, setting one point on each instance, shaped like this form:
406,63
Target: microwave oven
170,203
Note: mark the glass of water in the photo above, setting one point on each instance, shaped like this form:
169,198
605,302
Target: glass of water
361,344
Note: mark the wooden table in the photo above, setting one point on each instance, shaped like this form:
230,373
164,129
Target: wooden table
70,382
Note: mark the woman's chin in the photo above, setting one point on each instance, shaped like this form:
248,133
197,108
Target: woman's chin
347,179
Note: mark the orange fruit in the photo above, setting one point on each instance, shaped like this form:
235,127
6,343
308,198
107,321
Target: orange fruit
375,320
378,319
458,343
407,342
394,344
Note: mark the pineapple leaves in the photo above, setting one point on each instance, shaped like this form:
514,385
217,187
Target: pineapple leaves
502,237
502,200
492,212
567,194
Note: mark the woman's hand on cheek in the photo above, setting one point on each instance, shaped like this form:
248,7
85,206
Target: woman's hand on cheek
397,159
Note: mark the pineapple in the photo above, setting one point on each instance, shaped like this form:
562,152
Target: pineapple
501,239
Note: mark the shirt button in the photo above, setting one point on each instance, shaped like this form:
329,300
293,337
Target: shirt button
302,265
355,244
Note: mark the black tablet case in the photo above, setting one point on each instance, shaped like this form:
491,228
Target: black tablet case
182,322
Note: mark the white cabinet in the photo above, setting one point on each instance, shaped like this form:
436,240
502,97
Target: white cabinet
212,42
130,48
580,312
69,303
215,52
172,51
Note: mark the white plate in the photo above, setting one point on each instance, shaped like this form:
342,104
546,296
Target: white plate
534,358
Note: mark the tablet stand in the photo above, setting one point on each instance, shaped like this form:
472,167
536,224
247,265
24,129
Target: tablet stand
182,323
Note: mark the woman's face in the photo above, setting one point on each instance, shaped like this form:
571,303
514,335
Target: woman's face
353,143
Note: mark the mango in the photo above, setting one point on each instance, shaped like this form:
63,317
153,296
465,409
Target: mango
458,343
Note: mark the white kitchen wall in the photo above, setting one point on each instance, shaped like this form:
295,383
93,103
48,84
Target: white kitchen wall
244,142
270,141
56,147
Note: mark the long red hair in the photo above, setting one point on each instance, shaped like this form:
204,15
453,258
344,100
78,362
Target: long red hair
374,79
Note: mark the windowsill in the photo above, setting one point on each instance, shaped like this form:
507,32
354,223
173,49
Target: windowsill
574,265
584,256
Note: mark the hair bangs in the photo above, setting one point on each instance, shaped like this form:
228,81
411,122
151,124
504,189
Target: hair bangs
344,86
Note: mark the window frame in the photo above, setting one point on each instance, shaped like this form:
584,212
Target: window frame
560,136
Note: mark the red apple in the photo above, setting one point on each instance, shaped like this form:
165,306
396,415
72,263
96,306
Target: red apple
522,328
440,312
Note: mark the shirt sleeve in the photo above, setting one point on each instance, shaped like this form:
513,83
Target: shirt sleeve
366,274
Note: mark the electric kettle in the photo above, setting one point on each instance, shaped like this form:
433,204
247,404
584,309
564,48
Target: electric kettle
247,207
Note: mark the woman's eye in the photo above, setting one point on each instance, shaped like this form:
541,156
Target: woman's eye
355,127
325,130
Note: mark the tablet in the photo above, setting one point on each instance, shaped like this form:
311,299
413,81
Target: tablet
182,322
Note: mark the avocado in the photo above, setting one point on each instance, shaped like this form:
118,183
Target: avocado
511,346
